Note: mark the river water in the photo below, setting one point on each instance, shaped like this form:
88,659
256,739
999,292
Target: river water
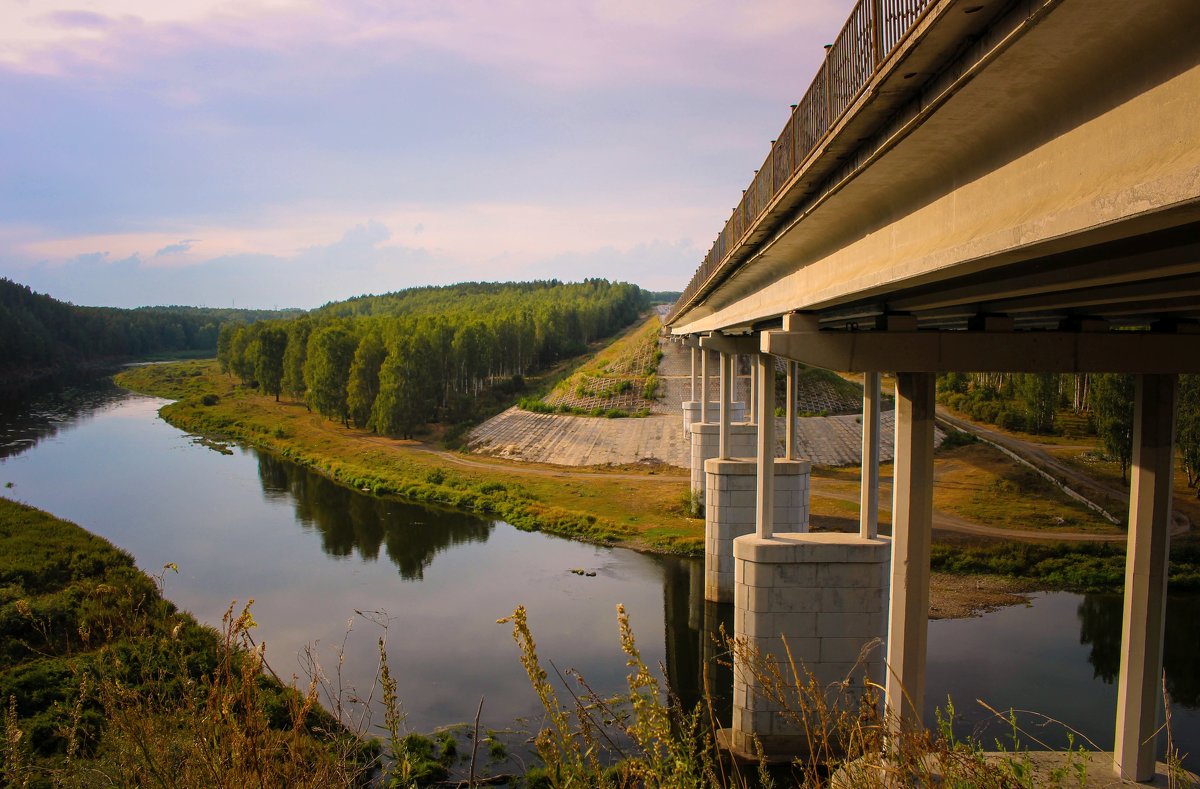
331,571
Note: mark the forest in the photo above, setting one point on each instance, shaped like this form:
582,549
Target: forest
1034,402
392,362
40,334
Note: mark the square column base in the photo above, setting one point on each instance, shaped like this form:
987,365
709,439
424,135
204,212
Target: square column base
706,444
729,512
821,599
691,412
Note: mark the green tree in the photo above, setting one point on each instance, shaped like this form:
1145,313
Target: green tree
396,411
268,363
295,355
1187,428
363,387
327,370
241,355
225,346
1112,410
1038,394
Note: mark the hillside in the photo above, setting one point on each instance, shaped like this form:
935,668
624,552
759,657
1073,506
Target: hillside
396,362
40,335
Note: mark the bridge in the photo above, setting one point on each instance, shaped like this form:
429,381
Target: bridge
967,185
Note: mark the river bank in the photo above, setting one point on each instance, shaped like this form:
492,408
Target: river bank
643,510
244,523
96,666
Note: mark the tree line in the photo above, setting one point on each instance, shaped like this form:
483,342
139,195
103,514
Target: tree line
392,362
38,332
1032,401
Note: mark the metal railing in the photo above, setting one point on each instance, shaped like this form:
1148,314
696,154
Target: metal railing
875,28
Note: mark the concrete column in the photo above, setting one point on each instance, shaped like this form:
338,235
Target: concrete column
691,407
912,524
764,515
704,385
1139,688
726,388
705,441
790,417
693,376
868,517
755,383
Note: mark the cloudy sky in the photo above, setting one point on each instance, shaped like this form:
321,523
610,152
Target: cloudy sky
292,152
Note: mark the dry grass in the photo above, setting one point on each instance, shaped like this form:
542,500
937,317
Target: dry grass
979,483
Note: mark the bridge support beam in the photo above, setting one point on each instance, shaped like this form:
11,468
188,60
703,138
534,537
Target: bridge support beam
755,385
868,510
691,406
912,526
789,422
1139,689
693,386
764,400
813,603
726,376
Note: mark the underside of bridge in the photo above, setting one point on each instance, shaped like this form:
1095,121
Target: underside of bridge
1049,170
1015,186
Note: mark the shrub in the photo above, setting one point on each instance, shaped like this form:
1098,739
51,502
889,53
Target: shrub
650,390
1011,420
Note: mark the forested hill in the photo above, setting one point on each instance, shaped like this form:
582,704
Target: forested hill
389,363
40,334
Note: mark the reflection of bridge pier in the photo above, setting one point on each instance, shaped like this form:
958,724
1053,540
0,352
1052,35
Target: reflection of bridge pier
969,187
694,638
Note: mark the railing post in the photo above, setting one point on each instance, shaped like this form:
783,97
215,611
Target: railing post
876,22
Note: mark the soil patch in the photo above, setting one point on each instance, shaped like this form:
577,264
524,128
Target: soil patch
962,596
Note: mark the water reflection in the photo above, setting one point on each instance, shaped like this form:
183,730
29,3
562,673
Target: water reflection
24,423
1100,630
351,522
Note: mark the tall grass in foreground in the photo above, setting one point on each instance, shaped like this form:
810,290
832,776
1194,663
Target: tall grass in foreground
643,738
227,726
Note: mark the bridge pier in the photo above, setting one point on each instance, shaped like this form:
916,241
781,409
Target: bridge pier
1139,684
912,528
868,504
807,605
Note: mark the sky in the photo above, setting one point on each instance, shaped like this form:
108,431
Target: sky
288,153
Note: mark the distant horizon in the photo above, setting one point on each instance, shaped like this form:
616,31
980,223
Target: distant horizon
292,307
292,153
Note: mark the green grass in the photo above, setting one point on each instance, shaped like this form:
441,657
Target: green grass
617,371
1082,567
636,513
97,669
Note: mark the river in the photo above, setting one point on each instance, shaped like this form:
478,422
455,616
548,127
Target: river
331,571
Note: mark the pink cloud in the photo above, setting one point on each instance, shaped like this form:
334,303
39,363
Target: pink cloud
756,46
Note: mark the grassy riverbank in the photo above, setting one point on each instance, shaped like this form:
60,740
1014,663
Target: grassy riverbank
638,511
643,510
103,681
